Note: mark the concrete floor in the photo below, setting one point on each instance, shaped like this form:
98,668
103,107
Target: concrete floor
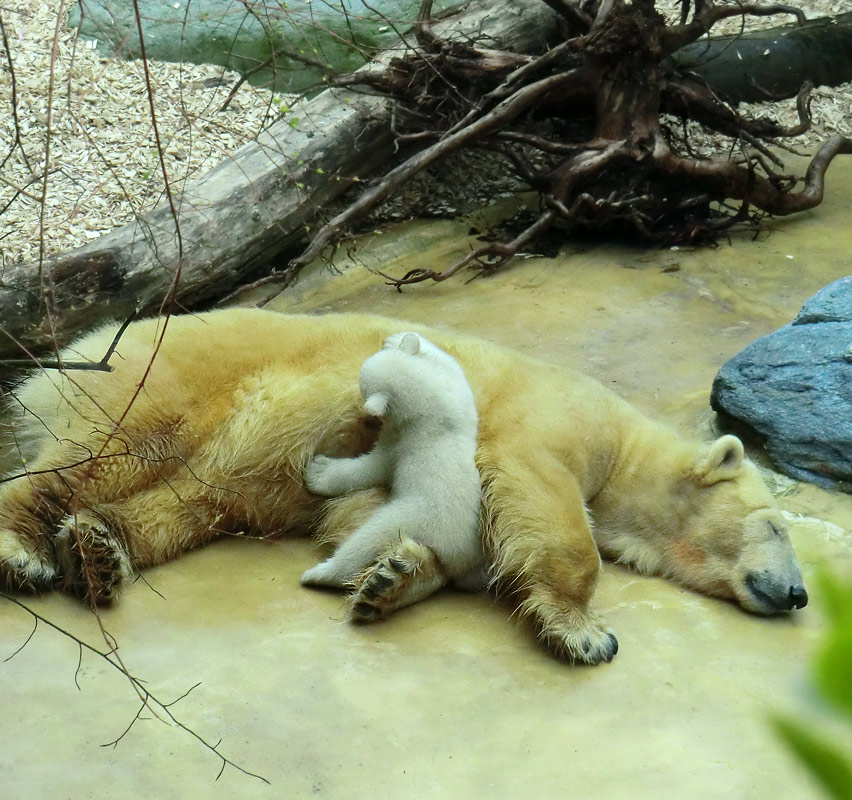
452,698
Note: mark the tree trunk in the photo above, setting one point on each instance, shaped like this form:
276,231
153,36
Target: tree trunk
233,221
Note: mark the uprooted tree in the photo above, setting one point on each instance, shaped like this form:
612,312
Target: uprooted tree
572,95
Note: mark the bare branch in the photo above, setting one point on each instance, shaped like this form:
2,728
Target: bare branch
488,258
16,142
725,178
507,110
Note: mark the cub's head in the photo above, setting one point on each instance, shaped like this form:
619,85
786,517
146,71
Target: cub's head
410,378
731,540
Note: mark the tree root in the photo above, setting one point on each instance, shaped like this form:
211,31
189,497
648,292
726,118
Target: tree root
618,169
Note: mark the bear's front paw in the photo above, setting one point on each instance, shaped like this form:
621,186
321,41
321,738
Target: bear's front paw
317,475
94,562
583,642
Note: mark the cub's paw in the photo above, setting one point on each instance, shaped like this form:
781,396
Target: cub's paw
93,562
406,574
317,476
583,642
378,589
22,566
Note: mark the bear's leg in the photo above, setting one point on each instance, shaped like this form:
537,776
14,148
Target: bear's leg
407,573
102,545
340,517
66,479
540,541
330,477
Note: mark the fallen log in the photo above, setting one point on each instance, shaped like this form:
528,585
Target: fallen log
230,224
455,88
773,64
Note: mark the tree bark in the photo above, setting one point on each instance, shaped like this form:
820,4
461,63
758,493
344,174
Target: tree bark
233,221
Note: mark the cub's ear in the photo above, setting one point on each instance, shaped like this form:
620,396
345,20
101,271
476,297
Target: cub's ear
410,344
720,461
376,405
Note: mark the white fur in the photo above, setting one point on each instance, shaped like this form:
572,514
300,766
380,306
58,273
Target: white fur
424,455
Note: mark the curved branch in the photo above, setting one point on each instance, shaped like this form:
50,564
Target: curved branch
691,100
498,253
707,15
426,37
149,700
512,83
572,11
563,181
727,179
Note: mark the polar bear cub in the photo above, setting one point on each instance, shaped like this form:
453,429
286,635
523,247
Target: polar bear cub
424,456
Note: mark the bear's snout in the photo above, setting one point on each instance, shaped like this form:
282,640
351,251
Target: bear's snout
798,596
776,595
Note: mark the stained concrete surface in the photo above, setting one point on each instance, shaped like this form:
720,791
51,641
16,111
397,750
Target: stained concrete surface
452,698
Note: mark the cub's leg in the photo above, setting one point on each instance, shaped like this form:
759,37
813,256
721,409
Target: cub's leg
330,477
539,537
405,574
362,548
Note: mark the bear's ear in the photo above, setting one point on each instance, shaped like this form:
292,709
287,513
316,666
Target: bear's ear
376,405
720,461
410,344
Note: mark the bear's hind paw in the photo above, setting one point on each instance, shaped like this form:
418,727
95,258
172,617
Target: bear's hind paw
22,566
378,590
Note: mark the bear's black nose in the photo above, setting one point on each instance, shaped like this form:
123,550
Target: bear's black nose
798,596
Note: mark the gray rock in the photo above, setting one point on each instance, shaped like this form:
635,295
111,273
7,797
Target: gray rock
794,389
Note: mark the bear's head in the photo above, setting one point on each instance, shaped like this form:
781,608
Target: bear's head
411,378
713,526
733,540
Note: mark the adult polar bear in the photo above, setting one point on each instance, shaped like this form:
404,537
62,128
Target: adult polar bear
237,401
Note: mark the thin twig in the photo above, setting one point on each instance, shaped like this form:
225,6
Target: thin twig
16,141
96,366
112,659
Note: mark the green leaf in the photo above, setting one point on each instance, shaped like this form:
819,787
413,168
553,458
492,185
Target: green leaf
833,668
836,598
824,761
833,665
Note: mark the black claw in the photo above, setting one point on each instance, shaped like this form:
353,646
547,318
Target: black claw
399,566
370,591
364,612
379,582
612,648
